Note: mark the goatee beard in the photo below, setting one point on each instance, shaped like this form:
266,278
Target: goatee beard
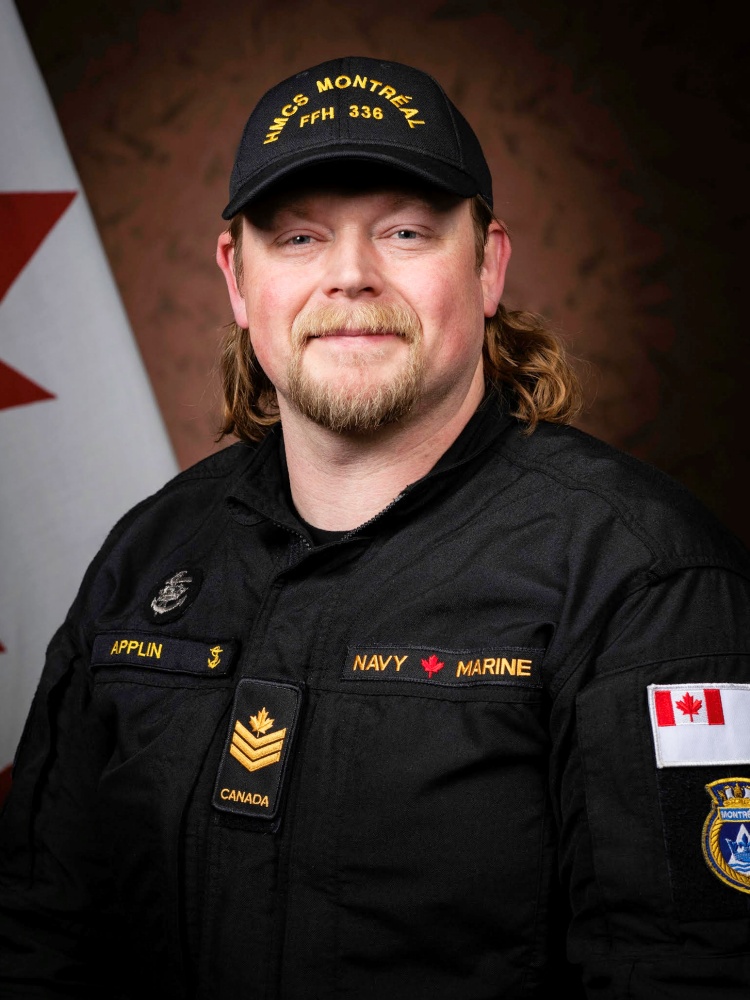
343,404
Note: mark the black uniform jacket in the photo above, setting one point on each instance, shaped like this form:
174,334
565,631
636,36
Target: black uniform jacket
431,759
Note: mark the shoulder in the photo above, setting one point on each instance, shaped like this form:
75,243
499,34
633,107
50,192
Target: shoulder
192,492
191,503
588,478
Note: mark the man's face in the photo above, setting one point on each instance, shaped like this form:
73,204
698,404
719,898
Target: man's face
365,307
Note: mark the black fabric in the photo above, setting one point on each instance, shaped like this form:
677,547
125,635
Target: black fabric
361,111
321,535
497,835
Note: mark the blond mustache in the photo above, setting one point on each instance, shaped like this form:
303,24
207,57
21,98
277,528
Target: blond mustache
371,317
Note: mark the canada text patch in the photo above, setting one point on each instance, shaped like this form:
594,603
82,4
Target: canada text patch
254,762
446,667
160,652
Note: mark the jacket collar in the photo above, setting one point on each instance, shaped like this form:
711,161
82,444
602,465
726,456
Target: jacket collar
261,490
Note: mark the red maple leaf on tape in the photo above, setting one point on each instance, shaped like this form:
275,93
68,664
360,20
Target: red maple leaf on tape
689,705
432,665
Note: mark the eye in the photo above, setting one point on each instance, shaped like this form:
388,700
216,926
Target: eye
299,240
406,234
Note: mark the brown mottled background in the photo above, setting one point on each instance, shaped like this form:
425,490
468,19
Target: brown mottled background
618,138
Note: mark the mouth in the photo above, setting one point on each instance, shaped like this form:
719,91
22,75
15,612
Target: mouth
355,333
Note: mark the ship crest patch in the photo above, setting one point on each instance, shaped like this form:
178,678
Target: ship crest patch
726,832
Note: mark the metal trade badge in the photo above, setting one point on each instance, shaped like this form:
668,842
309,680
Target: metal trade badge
256,754
726,832
173,596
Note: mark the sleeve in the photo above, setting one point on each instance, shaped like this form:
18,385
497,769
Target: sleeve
53,892
651,736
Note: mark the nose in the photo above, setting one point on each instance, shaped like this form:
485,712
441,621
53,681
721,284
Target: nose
353,268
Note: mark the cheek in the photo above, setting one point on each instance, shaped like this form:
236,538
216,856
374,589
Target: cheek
271,308
455,313
268,305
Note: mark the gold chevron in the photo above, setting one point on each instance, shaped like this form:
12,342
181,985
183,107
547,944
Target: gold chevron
254,752
258,741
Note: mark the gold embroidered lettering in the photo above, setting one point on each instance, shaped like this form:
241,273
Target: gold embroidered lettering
355,110
324,85
247,798
327,113
342,82
399,100
464,669
508,667
114,649
488,665
278,125
399,661
359,662
387,92
372,663
360,81
374,85
523,668
409,114
384,662
300,99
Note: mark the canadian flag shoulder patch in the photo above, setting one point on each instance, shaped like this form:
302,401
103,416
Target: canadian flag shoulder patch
700,723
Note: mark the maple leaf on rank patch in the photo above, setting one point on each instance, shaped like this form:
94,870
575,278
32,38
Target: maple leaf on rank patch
689,705
261,722
432,665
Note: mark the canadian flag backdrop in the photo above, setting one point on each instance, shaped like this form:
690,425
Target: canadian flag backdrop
81,435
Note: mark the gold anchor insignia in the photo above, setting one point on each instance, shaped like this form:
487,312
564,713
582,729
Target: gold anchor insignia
256,751
214,651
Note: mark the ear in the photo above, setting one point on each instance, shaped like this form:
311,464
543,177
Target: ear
494,266
225,260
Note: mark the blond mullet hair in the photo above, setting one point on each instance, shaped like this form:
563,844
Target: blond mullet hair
521,357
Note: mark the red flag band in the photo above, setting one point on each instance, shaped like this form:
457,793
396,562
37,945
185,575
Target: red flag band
697,705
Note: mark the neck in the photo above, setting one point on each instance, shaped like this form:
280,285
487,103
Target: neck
340,481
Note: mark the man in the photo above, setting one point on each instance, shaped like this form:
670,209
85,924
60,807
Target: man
415,691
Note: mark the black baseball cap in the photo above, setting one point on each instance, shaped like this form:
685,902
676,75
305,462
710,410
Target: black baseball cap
358,109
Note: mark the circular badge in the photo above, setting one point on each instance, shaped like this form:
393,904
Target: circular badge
173,596
726,832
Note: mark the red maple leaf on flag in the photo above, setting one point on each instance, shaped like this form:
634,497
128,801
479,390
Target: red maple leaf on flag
689,705
432,665
26,217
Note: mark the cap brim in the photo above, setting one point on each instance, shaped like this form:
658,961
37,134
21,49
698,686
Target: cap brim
426,168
